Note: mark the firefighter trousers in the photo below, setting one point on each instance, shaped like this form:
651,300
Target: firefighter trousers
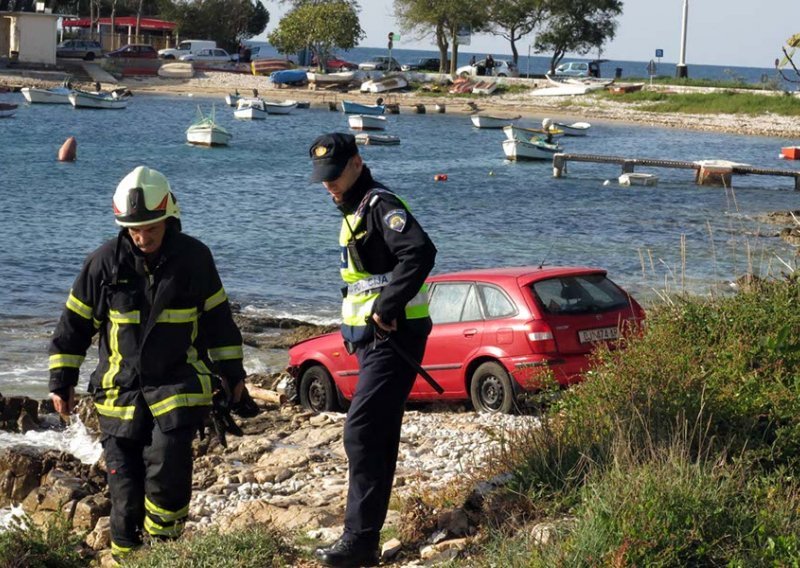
151,485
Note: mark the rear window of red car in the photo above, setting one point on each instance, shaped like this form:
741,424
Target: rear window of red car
591,293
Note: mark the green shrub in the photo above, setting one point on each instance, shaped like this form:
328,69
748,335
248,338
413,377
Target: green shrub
24,545
254,547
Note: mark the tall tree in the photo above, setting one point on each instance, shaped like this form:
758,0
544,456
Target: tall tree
227,22
423,20
514,19
320,25
577,26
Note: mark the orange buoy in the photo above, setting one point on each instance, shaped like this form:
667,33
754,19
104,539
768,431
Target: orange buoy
440,177
69,150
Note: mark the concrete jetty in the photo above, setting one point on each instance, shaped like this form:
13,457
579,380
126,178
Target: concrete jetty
707,172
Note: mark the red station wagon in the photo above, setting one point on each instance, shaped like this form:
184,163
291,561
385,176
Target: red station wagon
494,332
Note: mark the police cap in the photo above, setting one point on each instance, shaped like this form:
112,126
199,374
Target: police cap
330,154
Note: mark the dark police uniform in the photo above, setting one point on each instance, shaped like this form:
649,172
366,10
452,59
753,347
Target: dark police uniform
385,258
162,329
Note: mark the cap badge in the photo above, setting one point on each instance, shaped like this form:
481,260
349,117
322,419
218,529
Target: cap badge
395,220
320,151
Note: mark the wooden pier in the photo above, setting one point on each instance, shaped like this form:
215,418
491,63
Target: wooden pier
707,172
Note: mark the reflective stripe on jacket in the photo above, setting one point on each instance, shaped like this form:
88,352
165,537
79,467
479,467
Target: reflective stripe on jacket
162,332
363,288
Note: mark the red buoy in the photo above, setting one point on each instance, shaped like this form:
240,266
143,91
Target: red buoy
69,150
440,177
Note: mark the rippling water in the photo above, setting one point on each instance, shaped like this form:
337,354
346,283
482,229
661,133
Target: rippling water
274,235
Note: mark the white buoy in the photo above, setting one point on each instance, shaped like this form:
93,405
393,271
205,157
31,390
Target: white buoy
607,182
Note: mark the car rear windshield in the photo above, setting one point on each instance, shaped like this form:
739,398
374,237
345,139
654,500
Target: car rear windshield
590,293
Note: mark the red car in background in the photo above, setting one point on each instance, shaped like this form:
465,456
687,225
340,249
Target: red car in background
334,65
495,331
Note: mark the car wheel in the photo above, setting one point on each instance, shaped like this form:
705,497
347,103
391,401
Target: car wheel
502,75
89,56
317,391
169,56
491,390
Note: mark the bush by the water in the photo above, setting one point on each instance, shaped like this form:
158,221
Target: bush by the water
677,450
25,545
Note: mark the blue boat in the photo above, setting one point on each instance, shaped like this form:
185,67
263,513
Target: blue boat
350,107
288,76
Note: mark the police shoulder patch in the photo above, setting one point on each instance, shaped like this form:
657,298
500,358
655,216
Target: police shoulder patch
395,220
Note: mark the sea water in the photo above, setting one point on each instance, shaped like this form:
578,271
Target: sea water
274,234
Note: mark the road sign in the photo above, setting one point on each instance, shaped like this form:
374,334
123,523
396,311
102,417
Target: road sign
659,53
651,68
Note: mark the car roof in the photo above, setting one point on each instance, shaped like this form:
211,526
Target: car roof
523,274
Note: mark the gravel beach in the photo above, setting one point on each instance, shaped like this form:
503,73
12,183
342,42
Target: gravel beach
585,107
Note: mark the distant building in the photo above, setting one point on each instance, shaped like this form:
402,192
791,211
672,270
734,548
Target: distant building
27,32
158,33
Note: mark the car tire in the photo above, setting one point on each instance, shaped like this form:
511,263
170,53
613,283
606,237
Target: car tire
490,389
89,56
318,393
169,56
502,75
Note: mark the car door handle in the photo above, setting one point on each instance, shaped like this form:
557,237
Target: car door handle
470,332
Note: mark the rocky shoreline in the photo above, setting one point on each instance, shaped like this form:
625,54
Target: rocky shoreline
288,472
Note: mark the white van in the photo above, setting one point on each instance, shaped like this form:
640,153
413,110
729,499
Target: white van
186,47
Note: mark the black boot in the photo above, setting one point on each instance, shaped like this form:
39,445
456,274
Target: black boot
348,553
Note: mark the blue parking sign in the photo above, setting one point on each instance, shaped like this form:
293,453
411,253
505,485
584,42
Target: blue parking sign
659,53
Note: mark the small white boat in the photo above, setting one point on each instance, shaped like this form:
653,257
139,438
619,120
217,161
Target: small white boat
204,131
647,180
574,129
514,132
55,96
232,99
250,108
369,139
533,150
283,107
484,88
386,83
490,121
331,79
96,100
177,70
366,122
7,110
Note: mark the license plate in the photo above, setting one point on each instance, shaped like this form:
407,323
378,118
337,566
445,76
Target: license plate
599,334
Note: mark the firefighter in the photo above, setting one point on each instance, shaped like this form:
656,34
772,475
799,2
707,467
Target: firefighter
385,258
164,322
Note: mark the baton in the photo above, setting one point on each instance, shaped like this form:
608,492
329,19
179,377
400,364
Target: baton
407,358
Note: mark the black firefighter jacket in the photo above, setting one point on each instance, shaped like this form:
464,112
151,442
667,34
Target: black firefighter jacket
162,331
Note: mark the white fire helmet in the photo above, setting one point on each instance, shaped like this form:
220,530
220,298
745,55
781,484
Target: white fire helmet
144,197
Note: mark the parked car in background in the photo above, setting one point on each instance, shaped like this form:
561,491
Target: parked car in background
573,69
380,64
87,49
425,64
495,333
502,68
215,55
135,51
186,47
335,64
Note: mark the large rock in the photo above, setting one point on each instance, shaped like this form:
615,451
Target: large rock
100,537
89,510
293,517
21,470
13,407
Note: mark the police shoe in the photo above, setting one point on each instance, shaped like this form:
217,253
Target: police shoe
347,553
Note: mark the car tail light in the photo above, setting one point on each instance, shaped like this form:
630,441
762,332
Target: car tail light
540,337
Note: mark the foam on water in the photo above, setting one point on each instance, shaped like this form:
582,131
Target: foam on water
74,439
8,514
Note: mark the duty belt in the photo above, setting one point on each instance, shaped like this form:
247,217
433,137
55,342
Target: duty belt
371,283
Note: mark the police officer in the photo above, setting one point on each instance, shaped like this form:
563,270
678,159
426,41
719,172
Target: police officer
385,258
154,297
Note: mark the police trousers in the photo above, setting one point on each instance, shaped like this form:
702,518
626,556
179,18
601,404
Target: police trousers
372,428
151,484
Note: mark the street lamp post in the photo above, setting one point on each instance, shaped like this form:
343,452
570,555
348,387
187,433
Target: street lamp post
528,73
680,70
